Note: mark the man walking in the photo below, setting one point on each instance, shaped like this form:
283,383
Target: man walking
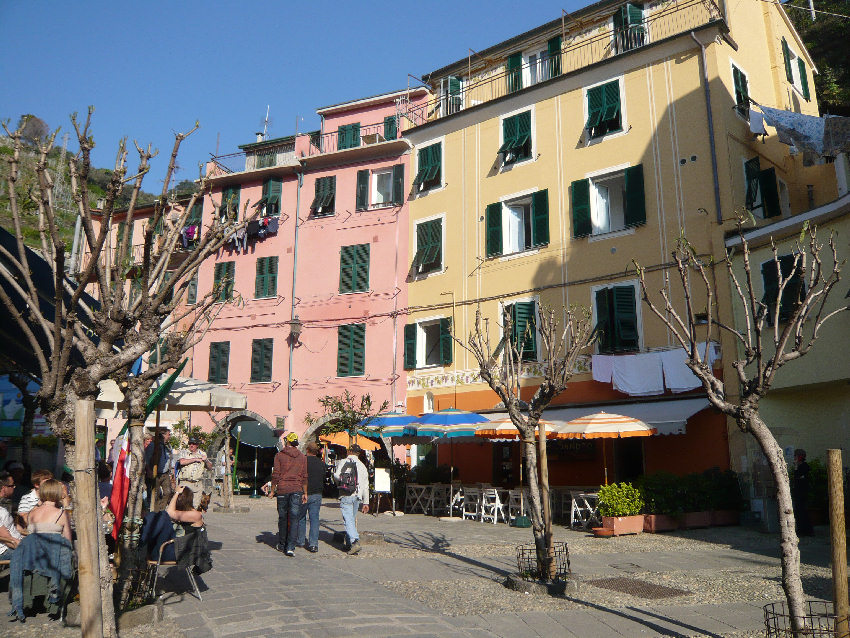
352,477
289,484
192,463
315,483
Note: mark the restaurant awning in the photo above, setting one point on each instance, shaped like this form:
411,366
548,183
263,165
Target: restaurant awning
185,394
669,417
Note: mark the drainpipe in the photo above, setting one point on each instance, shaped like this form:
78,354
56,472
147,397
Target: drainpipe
707,92
294,271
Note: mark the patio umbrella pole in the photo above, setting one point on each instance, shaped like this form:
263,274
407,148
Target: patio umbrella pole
235,478
604,462
254,493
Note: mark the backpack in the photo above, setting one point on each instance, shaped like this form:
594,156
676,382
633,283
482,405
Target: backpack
348,478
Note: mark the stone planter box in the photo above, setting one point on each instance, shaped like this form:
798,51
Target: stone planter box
720,518
692,520
654,523
624,524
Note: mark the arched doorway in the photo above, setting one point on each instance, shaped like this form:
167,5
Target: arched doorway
252,439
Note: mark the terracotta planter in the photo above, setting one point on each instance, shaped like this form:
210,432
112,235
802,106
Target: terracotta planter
654,523
691,520
721,518
624,524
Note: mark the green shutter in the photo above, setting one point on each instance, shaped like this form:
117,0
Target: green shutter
342,137
446,342
523,135
390,128
769,192
786,55
770,279
351,353
553,50
271,286
346,269
410,346
358,349
256,360
268,345
398,184
635,204
540,218
429,246
804,80
603,320
229,277
218,280
455,97
265,284
271,194
434,164
595,104
219,361
625,318
524,330
196,214
752,169
260,279
354,135
361,257
230,201
354,268
582,226
514,72
362,202
634,13
212,374
343,355
330,193
421,166
742,95
509,133
493,229
192,291
611,93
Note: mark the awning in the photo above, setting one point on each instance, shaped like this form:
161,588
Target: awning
344,439
669,417
185,394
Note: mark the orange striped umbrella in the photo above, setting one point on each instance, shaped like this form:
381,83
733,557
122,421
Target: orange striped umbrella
605,426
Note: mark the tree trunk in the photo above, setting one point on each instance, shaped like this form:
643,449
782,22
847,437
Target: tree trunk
106,578
538,525
129,537
226,480
791,581
546,560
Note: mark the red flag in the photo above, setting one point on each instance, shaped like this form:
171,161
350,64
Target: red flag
120,484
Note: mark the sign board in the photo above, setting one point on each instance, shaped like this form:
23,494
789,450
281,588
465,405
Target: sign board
382,480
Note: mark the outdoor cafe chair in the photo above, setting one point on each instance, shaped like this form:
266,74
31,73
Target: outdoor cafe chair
517,500
472,503
153,571
491,506
439,499
584,510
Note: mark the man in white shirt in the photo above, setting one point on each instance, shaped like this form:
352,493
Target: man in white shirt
30,500
9,534
352,478
192,463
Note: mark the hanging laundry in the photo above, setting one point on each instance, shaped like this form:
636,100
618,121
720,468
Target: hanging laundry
253,228
602,366
677,375
273,225
757,123
638,374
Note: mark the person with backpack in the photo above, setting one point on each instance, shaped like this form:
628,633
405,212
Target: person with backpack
352,479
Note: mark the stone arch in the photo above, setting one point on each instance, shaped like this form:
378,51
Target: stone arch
224,427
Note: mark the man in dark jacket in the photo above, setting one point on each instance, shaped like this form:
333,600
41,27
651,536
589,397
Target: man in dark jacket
315,484
289,484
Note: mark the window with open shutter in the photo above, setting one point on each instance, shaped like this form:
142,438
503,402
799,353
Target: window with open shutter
553,51
516,138
616,319
354,268
429,246
540,218
398,184
524,333
769,192
742,94
362,195
410,346
795,287
603,109
786,56
219,361
580,200
752,168
390,127
804,80
446,342
230,202
351,350
429,167
196,214
634,213
261,360
324,200
271,197
629,29
513,72
493,226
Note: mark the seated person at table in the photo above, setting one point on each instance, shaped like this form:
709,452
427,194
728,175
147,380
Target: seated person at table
178,519
9,534
31,499
49,517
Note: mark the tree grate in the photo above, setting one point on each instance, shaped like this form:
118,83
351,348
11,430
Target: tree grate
638,588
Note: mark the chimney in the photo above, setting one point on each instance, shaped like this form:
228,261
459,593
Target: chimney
259,136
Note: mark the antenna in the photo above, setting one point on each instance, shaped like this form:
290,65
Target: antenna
266,122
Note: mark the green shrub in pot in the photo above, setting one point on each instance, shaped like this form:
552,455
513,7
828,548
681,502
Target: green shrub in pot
662,493
620,499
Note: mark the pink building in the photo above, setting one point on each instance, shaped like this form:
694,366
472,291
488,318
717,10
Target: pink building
313,288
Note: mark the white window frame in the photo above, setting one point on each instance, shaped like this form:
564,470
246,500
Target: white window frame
420,341
417,190
533,154
758,205
795,71
373,187
624,121
634,283
506,201
646,13
413,242
606,173
538,51
510,302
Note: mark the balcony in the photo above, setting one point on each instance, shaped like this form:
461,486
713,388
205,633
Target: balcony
589,43
253,159
351,136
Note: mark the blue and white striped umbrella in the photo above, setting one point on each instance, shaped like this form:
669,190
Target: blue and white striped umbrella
450,424
392,425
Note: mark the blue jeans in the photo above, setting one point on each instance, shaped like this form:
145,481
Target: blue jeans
311,507
288,509
349,505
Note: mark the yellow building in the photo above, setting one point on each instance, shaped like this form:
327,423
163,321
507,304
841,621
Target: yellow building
547,163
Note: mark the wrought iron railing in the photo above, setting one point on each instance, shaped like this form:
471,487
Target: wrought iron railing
352,137
595,43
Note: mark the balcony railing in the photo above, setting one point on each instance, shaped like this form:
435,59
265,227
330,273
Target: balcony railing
592,44
254,159
352,137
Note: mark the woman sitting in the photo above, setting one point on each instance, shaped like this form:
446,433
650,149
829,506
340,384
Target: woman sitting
50,517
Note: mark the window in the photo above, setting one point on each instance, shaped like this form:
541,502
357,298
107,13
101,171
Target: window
762,195
451,95
542,64
516,138
270,201
230,203
795,70
517,225
513,72
135,291
122,226
742,95
160,350
429,247
387,187
795,287
192,290
261,360
608,203
223,276
604,112
390,128
323,202
523,335
354,268
616,319
348,136
629,28
265,284
219,361
351,350
428,343
429,162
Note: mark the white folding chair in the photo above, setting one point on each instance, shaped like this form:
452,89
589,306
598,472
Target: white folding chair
439,499
491,506
472,503
517,500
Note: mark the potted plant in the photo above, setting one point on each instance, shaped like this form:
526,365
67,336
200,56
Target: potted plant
620,505
663,502
697,501
726,498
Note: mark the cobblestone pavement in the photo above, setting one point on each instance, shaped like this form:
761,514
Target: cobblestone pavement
438,578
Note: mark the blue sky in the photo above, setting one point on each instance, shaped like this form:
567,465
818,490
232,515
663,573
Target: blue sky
152,67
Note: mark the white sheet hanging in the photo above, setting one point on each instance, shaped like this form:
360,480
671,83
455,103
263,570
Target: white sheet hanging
638,375
602,366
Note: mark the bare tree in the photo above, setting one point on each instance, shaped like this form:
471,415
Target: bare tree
562,343
78,342
771,335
